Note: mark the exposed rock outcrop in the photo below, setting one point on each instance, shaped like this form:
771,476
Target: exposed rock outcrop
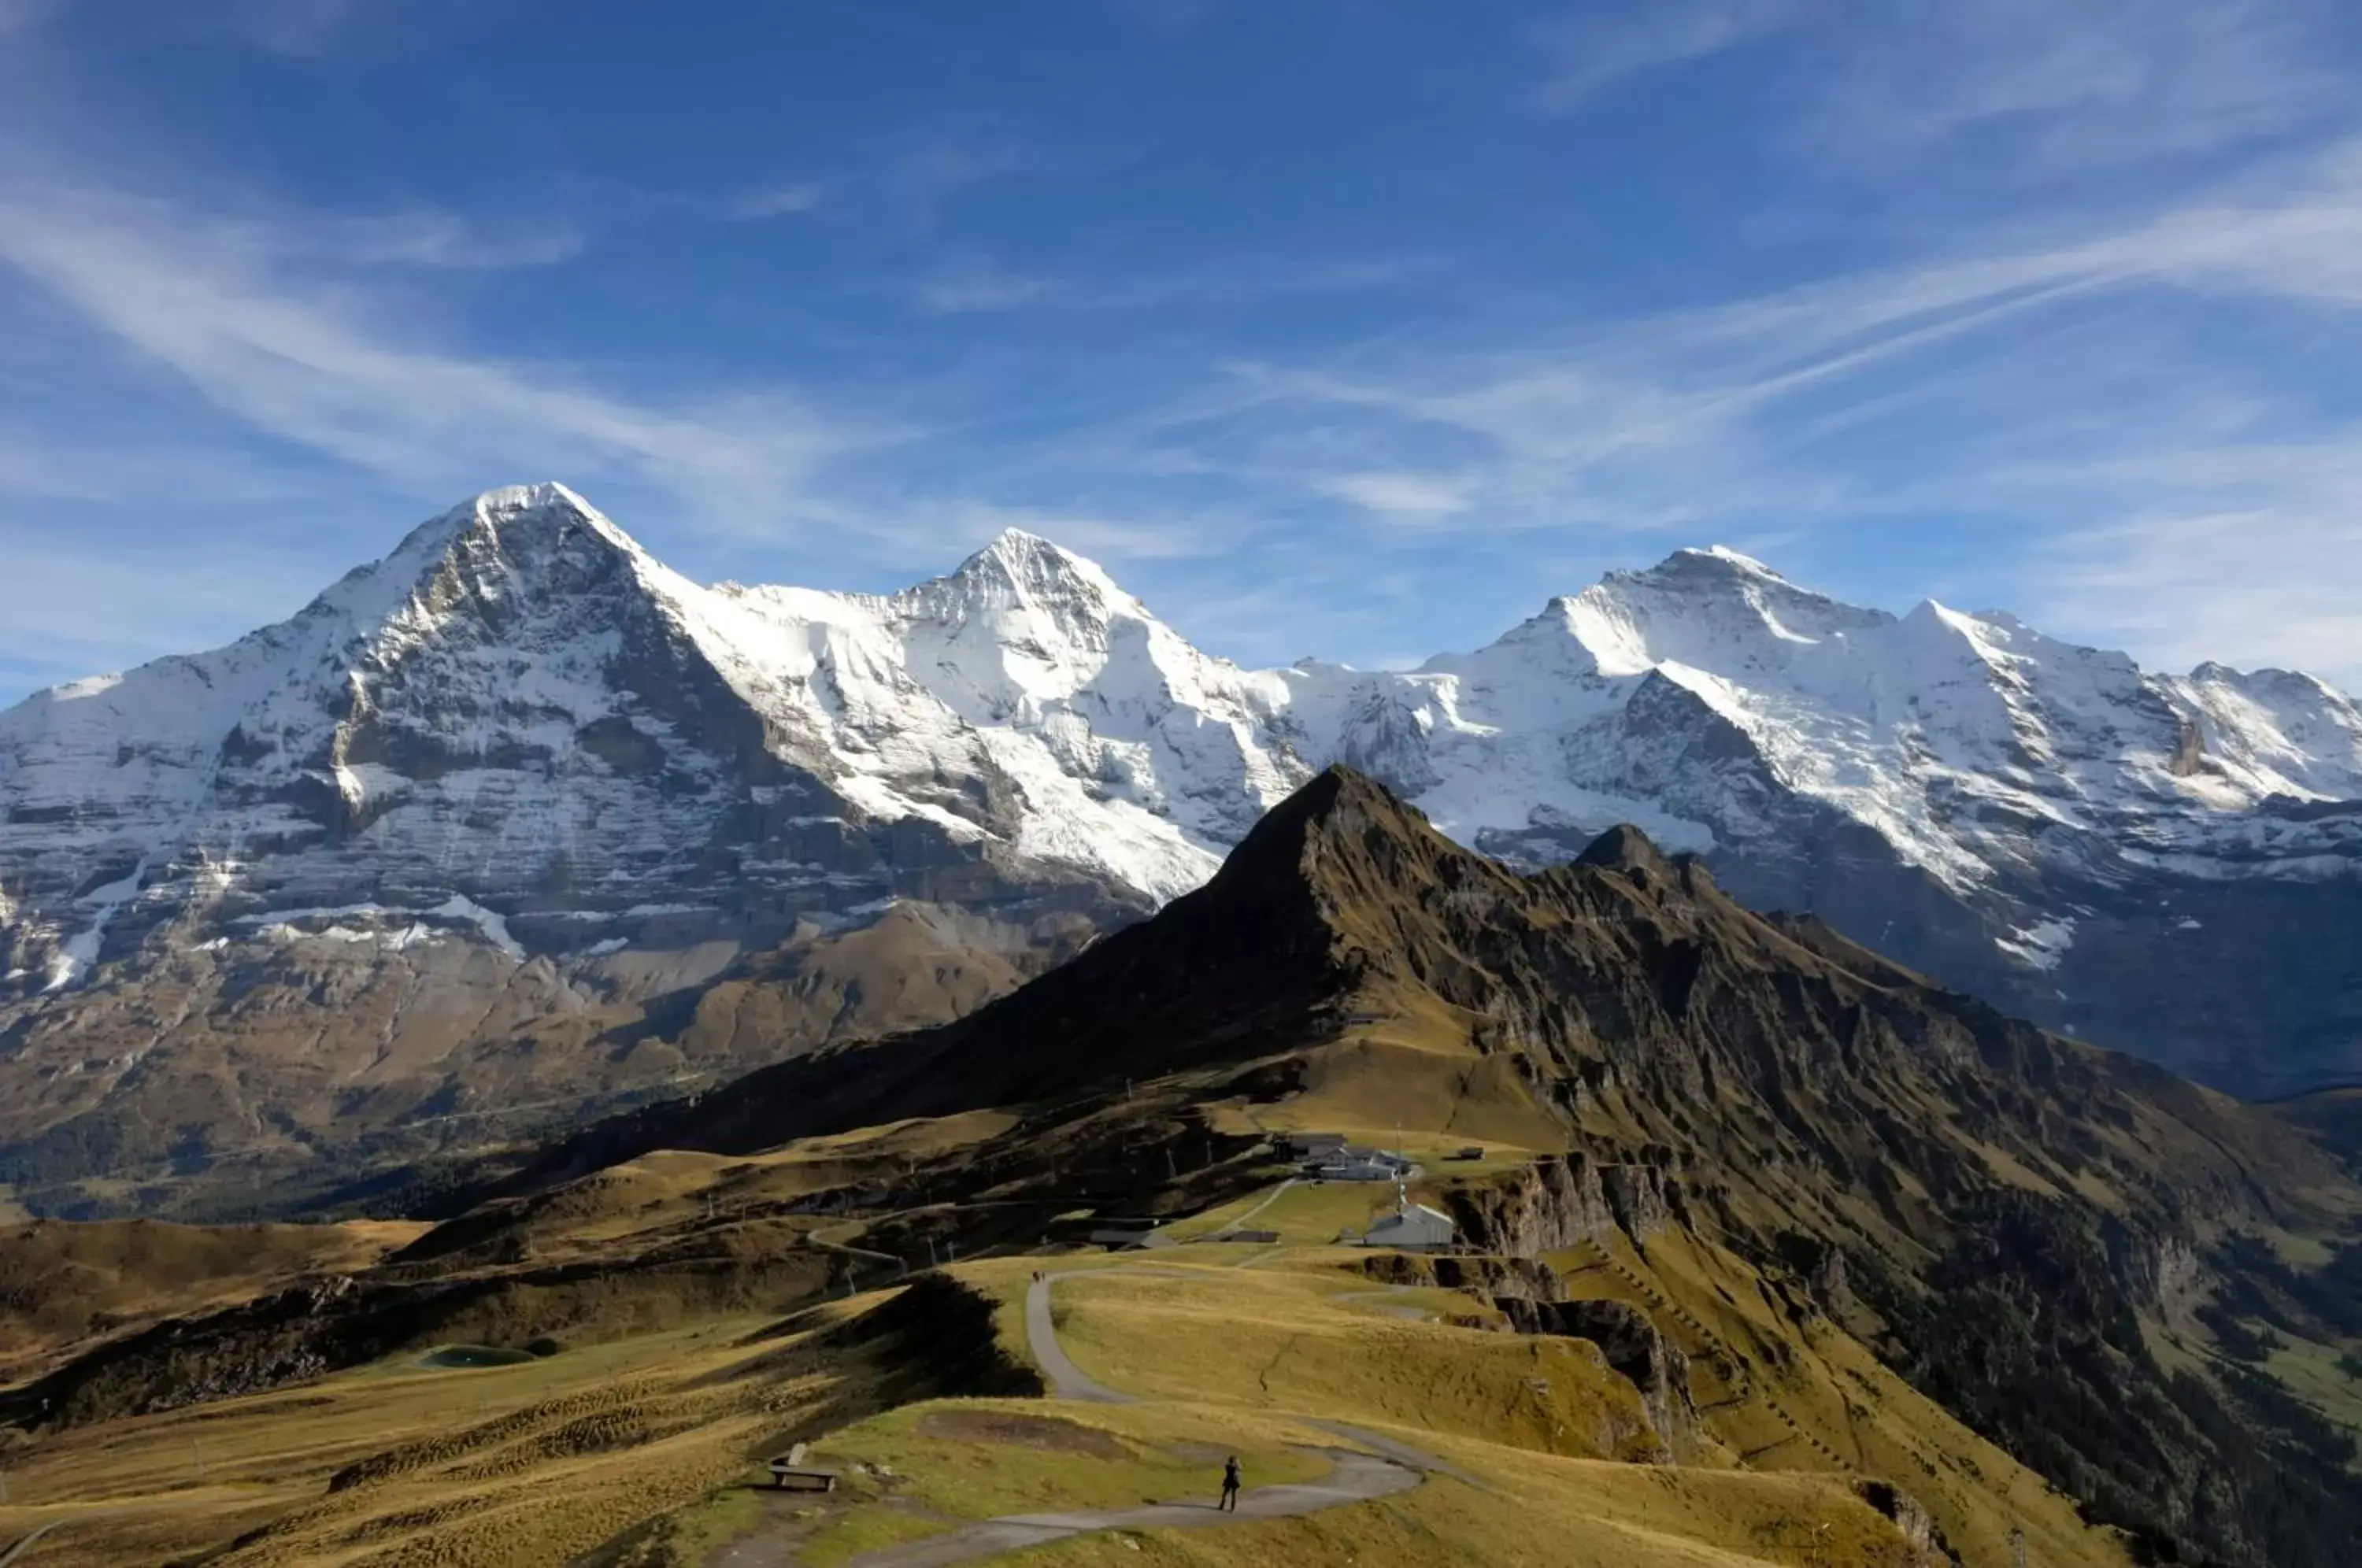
1559,1201
1925,1538
1633,1345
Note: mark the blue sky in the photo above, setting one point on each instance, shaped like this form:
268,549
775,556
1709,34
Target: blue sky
1354,328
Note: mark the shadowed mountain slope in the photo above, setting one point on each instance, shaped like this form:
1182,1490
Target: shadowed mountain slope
2033,1230
1643,1005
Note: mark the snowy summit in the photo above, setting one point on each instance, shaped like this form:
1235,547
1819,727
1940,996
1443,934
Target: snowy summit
521,727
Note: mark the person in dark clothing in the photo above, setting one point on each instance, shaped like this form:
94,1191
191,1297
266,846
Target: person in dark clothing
1229,1485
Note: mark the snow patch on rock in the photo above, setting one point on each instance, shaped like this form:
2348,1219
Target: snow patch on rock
2042,945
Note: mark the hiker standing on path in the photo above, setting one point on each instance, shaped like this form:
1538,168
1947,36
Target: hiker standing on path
1229,1485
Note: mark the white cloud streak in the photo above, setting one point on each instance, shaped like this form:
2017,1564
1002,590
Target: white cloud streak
300,29
1401,495
778,201
979,286
1592,52
2095,81
245,317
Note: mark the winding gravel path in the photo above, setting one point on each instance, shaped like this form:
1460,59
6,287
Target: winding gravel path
1067,1379
1240,1223
1357,1478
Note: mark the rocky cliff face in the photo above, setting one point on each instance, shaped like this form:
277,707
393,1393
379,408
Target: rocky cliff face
1559,1202
1633,1346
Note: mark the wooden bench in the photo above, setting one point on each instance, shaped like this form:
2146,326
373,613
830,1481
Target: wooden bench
797,1478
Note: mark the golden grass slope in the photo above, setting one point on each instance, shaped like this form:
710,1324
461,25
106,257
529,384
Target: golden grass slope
1229,1357
569,1458
63,1285
403,1463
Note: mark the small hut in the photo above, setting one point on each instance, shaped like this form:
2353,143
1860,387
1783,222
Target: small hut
1412,1227
1130,1236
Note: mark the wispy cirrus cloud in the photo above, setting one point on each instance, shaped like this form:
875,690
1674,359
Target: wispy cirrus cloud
422,237
931,168
2247,550
1258,425
975,285
1401,495
276,329
1595,50
294,28
1875,81
789,200
2100,81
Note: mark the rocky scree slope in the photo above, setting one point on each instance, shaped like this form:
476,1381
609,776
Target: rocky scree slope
522,766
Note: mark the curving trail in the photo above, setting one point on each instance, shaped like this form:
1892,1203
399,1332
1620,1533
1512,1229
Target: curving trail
1358,1477
1240,1223
1066,1380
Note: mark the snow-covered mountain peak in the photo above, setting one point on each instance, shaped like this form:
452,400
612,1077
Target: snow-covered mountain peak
525,524
1710,609
1022,571
522,708
1023,623
2276,732
1731,558
493,545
